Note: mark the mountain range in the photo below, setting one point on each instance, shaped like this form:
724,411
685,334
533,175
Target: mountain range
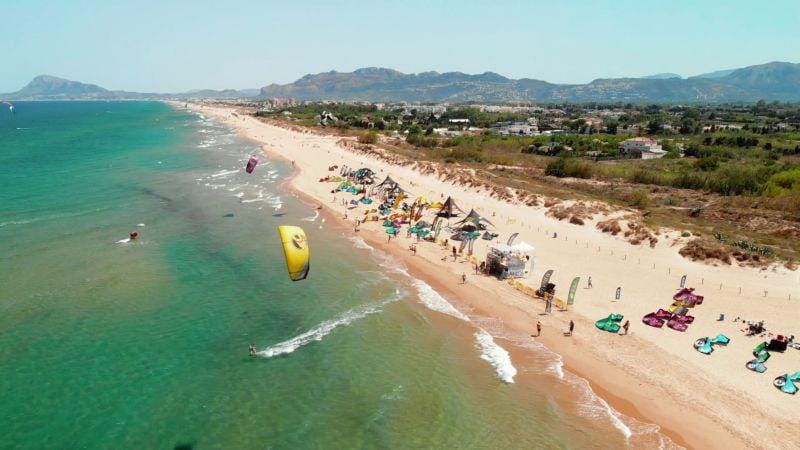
771,81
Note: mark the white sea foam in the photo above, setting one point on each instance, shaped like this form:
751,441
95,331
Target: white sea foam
237,187
239,195
123,241
497,356
360,243
325,328
18,222
140,225
224,173
430,298
311,218
594,406
553,363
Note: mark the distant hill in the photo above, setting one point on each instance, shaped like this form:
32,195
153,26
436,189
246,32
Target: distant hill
662,76
47,87
219,94
772,81
715,74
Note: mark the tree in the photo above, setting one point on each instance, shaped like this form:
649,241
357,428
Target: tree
611,126
654,127
689,125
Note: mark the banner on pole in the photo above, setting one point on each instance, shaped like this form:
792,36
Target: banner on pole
573,288
511,239
546,278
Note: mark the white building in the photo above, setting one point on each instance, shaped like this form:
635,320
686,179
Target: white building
447,133
643,147
515,128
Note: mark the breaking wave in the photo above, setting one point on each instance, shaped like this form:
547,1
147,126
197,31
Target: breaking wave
311,218
497,356
360,243
433,300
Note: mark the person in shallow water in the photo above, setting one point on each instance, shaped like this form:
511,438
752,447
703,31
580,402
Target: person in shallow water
252,350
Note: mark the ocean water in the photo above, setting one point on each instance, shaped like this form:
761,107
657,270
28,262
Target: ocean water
111,343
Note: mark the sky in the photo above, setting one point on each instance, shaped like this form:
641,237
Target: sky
177,45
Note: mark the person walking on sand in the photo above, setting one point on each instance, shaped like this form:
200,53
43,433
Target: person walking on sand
463,278
589,282
571,327
625,326
454,253
538,328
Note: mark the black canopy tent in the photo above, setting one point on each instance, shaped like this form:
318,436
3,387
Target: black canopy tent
448,208
473,220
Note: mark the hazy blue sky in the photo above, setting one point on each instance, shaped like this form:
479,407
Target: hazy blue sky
167,46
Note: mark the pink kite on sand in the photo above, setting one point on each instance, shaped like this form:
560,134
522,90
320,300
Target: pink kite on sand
251,164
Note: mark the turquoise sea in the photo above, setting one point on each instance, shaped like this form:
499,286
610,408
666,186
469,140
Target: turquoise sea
106,343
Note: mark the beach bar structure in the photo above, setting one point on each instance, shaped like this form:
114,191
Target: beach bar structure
509,261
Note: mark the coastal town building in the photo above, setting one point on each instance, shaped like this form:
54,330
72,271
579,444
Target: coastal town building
642,147
515,128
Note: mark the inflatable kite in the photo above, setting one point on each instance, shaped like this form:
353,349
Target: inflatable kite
296,251
251,164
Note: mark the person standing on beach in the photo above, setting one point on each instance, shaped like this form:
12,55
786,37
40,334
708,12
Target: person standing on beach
625,326
589,282
463,278
571,327
538,328
454,253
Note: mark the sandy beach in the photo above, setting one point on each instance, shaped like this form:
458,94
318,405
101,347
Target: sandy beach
653,375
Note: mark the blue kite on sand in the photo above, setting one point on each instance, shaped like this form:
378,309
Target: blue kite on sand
705,345
788,383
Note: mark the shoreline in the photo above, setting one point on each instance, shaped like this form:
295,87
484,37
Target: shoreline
626,389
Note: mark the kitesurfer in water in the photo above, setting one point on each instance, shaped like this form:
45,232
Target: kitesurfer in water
252,350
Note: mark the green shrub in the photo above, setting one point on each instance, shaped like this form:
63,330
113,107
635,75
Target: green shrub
782,183
639,199
369,137
567,167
